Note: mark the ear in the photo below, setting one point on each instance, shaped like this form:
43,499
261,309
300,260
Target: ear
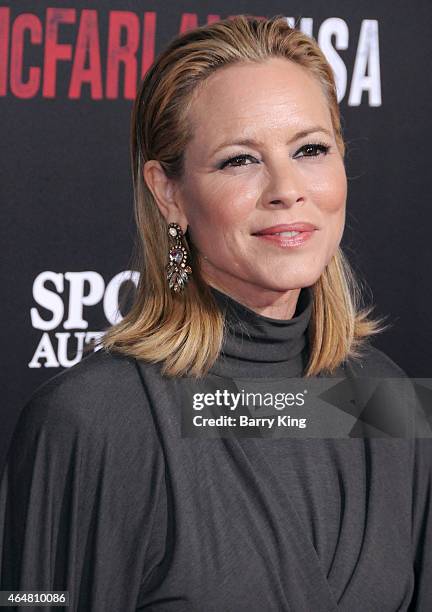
165,193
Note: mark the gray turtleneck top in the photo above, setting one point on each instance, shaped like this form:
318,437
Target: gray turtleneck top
259,346
103,494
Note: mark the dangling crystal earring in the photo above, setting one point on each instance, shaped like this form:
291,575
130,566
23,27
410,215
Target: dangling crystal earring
177,269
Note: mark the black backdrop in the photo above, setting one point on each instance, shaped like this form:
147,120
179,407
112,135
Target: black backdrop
68,74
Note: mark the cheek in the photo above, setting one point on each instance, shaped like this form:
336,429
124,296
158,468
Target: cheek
219,205
330,191
330,196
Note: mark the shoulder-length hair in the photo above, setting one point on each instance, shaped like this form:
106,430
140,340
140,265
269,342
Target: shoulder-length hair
184,332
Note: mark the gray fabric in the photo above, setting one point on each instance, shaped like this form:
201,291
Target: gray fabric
259,346
103,497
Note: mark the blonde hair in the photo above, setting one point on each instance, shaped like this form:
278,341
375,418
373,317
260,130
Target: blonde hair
185,331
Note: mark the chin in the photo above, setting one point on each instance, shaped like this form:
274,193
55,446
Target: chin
292,281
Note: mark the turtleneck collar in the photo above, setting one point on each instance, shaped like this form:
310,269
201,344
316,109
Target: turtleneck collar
260,347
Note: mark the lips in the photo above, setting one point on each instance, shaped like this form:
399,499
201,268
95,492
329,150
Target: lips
300,226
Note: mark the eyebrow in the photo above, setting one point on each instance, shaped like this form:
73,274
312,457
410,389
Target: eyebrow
252,142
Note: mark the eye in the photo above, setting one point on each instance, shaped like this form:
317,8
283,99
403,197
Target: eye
319,148
235,162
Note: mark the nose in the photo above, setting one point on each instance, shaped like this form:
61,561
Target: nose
285,185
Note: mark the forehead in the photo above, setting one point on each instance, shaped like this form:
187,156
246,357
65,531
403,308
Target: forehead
258,97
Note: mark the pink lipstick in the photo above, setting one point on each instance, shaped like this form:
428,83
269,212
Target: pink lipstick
288,235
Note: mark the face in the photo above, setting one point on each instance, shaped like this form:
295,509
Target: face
231,191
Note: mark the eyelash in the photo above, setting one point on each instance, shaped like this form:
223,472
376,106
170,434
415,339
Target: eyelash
317,145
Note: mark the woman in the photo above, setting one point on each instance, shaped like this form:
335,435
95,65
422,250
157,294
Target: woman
240,192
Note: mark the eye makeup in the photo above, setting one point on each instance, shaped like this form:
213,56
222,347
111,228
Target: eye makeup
321,147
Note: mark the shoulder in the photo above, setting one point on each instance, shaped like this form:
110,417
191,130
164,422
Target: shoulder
101,369
89,429
101,395
375,363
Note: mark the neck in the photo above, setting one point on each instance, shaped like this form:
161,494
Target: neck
266,302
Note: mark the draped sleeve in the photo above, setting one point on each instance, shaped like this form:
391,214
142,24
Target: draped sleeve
82,505
422,526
